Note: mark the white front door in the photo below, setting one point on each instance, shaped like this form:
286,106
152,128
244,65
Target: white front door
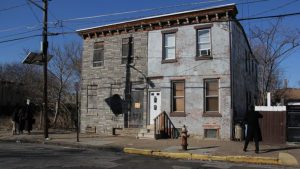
155,105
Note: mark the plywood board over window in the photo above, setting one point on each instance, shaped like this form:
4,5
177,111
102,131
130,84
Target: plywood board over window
178,98
211,93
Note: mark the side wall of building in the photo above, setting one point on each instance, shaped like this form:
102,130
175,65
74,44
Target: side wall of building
101,83
243,72
194,72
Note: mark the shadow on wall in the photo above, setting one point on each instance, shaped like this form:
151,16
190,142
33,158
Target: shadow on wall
115,102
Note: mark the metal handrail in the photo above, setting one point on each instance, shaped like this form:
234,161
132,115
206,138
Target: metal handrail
164,128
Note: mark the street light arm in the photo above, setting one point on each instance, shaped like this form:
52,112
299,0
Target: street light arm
139,72
37,5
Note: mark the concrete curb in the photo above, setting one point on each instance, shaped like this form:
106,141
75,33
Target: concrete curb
283,159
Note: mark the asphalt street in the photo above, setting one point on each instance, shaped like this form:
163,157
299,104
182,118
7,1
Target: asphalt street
41,156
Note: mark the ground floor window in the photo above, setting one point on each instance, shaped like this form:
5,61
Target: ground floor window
178,98
211,94
211,133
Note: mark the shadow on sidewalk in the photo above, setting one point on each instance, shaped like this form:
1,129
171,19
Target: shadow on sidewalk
279,149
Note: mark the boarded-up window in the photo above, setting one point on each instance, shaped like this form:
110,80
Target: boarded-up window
211,95
178,96
91,97
211,133
98,58
125,50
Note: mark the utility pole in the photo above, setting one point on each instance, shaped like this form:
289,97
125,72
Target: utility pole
127,84
77,111
45,54
44,60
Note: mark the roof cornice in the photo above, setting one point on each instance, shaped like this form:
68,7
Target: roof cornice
213,14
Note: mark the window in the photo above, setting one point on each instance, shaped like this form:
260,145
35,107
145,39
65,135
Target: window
203,42
169,46
125,50
211,133
98,58
211,95
91,97
178,94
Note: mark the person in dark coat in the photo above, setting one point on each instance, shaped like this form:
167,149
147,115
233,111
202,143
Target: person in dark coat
28,118
21,119
253,129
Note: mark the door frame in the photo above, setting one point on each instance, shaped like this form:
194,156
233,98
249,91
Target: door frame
149,103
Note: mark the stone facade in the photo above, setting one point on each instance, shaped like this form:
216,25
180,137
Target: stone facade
194,72
230,63
100,83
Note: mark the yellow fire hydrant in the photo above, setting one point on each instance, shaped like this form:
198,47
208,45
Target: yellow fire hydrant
184,137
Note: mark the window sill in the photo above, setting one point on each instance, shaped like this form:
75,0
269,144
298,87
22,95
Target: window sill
211,114
169,61
177,114
207,57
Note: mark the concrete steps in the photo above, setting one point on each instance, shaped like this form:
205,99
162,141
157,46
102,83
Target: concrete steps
129,132
146,133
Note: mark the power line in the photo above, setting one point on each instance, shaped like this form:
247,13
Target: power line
35,16
59,22
26,37
270,16
278,7
12,7
240,19
16,6
20,33
159,8
141,10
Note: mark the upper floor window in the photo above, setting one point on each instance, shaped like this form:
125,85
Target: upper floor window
211,95
203,42
98,57
178,98
169,46
125,50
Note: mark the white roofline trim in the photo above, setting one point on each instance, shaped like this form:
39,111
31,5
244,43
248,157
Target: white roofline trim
156,16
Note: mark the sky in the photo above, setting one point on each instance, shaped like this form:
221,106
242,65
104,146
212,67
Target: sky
20,19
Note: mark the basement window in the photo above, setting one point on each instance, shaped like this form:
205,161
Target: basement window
211,133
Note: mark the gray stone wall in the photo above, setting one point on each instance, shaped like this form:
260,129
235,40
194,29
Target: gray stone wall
194,72
108,80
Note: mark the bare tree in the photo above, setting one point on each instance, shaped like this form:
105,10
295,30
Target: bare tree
271,45
65,65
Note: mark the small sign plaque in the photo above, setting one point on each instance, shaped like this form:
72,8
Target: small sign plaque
137,105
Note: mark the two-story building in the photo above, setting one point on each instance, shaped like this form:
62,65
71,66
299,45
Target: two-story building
197,66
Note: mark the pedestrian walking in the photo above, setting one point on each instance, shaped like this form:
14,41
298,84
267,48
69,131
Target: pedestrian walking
28,118
253,130
21,119
15,120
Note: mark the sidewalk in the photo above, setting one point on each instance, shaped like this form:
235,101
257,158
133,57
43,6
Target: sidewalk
207,149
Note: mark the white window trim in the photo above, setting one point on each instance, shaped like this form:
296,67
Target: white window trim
205,42
168,46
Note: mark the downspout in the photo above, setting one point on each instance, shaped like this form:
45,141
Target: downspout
231,80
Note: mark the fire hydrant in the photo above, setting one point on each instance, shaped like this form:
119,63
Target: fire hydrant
184,137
